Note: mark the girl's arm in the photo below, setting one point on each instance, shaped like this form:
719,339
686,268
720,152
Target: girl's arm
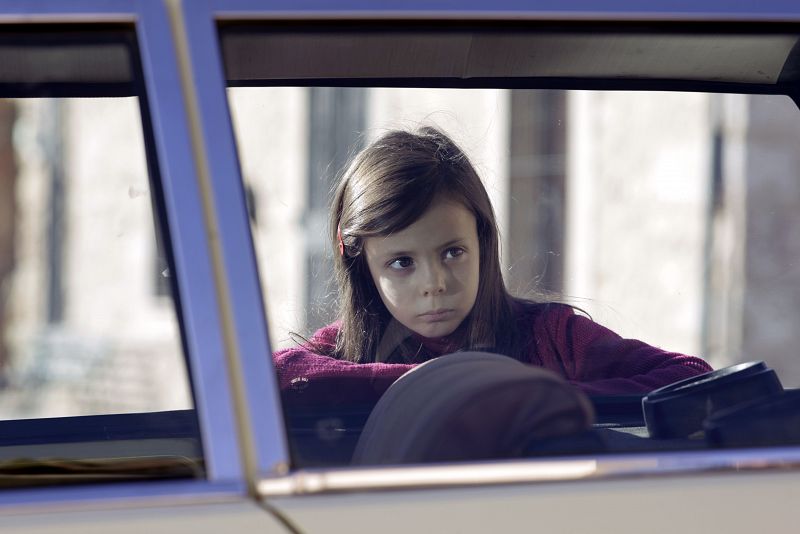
600,362
309,378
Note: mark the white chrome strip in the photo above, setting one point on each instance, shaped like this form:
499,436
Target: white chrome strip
424,476
315,481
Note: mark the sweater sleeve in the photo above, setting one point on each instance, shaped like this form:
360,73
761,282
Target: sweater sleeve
600,362
309,378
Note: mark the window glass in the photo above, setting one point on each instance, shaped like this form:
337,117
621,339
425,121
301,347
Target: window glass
649,232
88,327
93,382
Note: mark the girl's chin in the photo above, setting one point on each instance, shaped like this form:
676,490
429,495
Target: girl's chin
436,330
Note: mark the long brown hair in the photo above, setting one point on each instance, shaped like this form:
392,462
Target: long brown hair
387,187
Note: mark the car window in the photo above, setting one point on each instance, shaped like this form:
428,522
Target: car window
93,381
636,223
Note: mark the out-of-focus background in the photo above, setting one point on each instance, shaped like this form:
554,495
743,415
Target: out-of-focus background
669,217
87,320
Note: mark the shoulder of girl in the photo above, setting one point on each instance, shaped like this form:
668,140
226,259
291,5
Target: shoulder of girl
327,331
544,310
326,335
321,339
561,319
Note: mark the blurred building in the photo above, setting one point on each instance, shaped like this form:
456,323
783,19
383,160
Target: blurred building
643,209
89,322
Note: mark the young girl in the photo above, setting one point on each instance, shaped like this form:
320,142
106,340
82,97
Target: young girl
418,271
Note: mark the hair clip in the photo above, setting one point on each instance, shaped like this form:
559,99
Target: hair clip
339,239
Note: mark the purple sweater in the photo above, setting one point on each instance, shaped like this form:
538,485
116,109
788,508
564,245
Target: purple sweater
592,357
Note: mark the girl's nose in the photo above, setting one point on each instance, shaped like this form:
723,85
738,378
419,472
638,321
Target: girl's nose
434,290
435,282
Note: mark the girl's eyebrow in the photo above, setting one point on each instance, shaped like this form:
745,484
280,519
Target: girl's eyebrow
452,242
397,253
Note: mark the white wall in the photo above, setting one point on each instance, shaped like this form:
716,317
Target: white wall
637,176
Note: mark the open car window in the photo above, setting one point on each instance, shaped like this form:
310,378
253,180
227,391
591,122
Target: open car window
646,178
93,381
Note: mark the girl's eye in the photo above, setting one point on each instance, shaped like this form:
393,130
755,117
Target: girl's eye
401,263
453,252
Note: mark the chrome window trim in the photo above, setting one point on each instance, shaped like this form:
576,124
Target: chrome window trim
202,332
501,472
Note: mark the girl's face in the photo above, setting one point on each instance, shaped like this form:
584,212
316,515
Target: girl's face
427,274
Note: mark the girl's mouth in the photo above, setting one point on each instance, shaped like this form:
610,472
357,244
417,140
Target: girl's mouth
435,316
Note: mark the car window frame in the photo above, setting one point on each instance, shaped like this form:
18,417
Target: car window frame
202,325
201,25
